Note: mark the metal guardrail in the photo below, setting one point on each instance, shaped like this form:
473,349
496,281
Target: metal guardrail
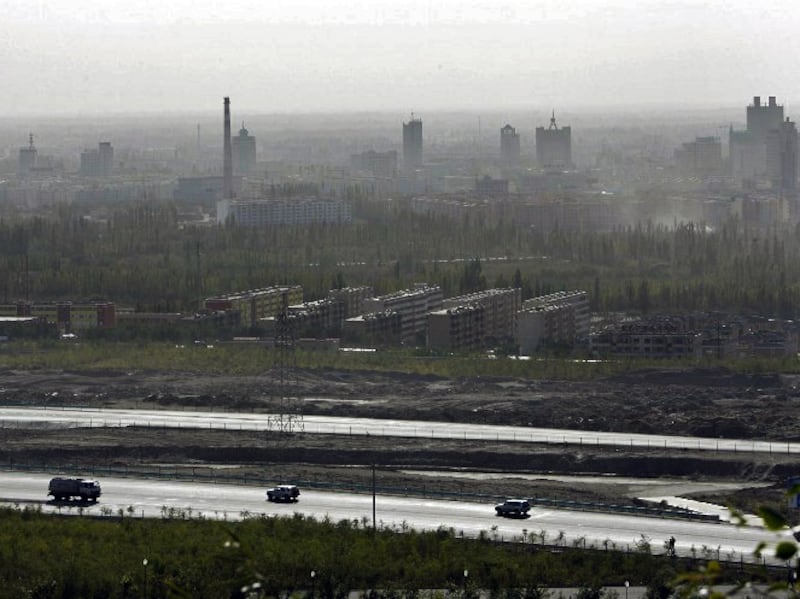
428,430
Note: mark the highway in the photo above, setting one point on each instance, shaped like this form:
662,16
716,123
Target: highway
151,498
94,417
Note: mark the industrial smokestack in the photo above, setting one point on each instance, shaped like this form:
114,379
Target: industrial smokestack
227,185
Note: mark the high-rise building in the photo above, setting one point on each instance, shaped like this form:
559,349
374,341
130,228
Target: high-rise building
27,159
763,119
755,153
227,153
244,153
106,152
99,162
509,146
700,158
554,145
412,143
782,157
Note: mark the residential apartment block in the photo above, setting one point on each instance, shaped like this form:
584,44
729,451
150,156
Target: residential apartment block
286,211
413,306
460,328
500,310
561,317
352,298
255,304
320,317
375,328
662,338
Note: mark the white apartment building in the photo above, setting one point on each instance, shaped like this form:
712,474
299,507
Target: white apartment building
561,317
413,306
500,309
285,211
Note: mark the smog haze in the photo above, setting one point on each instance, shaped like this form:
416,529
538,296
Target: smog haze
115,56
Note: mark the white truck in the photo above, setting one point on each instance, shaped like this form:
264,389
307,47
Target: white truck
63,489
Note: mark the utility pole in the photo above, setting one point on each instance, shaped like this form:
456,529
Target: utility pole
373,498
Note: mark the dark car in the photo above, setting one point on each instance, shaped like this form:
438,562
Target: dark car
513,508
283,494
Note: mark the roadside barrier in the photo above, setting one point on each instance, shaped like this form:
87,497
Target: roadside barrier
273,423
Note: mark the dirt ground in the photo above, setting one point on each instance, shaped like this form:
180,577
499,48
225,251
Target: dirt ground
702,402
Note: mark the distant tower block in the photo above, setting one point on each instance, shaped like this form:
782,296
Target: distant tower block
27,159
106,153
758,152
509,146
763,119
244,153
554,145
227,184
782,157
412,143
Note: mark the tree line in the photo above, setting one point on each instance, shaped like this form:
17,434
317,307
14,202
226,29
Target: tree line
141,255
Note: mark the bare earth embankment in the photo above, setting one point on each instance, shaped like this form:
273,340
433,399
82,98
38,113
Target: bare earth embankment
709,403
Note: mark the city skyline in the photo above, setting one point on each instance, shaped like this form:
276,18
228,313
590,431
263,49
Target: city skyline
309,56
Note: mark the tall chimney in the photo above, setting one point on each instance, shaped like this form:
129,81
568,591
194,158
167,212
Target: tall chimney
227,184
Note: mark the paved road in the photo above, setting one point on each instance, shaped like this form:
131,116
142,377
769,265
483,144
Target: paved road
155,498
91,417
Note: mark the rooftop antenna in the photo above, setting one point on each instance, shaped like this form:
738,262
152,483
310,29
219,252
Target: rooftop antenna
553,120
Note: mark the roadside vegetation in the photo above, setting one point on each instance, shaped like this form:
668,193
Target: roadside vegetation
44,556
251,358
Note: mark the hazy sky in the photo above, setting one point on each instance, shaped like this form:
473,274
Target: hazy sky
114,56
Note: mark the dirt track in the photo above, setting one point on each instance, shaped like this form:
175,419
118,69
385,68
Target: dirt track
709,403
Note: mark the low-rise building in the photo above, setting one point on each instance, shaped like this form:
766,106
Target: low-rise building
768,343
67,316
490,187
25,326
648,339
